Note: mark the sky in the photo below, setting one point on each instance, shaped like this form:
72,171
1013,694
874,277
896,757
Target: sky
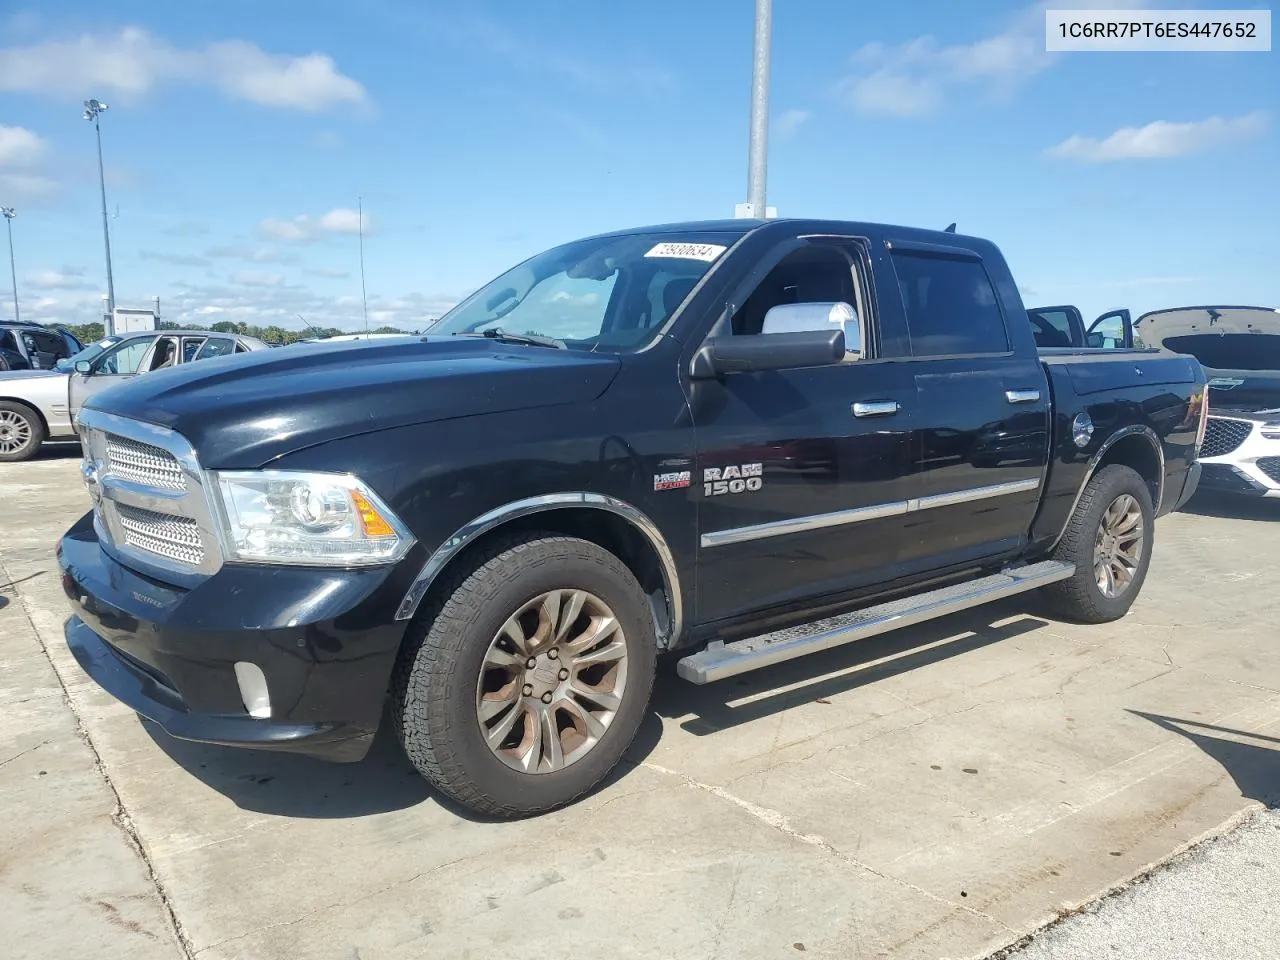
242,137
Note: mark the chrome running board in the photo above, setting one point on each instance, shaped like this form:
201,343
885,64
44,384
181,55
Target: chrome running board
720,659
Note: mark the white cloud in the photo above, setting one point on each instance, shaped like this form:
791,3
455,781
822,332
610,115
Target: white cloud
893,93
342,220
789,121
206,304
18,187
915,78
253,278
329,273
177,259
1162,139
296,229
68,278
132,62
20,147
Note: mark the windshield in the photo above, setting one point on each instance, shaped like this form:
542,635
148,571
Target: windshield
606,293
90,352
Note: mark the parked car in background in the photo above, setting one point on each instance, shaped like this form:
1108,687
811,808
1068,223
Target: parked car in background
1239,348
41,404
28,346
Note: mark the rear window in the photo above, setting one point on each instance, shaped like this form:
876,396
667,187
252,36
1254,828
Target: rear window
950,305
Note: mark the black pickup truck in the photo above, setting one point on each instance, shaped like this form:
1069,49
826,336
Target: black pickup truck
735,442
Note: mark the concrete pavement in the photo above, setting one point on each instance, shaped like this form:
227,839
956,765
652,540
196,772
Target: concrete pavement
939,792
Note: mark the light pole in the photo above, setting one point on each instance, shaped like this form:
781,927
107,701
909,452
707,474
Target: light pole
9,213
759,144
93,109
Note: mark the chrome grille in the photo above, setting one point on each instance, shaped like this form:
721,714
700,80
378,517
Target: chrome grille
174,538
143,463
1271,467
151,509
1222,436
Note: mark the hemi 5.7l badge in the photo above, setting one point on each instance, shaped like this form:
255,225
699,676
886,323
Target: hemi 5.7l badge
672,481
735,478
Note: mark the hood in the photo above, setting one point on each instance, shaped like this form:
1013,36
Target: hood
242,411
29,374
1239,348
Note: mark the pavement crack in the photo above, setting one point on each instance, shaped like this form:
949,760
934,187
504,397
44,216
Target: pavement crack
120,817
778,821
23,753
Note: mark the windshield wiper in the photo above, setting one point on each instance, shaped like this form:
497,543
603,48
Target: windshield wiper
528,339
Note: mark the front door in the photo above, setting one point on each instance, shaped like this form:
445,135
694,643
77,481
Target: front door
803,474
114,365
1111,331
983,411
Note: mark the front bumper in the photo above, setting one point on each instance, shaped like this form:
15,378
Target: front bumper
1251,468
325,641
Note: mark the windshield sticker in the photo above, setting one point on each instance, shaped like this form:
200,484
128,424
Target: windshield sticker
687,251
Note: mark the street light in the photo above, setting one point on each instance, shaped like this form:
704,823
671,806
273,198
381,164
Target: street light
93,109
758,151
9,213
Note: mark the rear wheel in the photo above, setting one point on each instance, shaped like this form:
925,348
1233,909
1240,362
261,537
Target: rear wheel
21,432
530,677
1109,540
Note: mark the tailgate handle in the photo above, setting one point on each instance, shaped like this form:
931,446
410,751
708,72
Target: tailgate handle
876,408
1022,396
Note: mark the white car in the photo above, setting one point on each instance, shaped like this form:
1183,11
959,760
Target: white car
1239,348
40,405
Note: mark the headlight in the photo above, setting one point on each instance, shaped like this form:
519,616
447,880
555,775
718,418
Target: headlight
328,519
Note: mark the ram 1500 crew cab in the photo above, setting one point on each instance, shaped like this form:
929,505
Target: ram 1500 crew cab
736,441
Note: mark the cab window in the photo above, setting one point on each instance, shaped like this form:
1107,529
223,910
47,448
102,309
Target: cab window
124,359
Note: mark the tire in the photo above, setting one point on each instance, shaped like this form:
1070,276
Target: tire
462,660
1082,597
21,432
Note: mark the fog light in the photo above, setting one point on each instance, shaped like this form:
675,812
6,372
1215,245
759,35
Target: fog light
253,689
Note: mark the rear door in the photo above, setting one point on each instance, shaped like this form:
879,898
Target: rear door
1060,326
983,407
802,475
215,347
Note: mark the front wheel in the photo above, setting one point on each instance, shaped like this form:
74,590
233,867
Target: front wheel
1109,540
529,678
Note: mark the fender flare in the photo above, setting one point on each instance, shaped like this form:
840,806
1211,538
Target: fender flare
495,518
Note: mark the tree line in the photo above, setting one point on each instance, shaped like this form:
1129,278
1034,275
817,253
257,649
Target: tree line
88,333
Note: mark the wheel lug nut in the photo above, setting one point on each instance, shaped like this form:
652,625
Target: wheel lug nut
531,663
528,689
564,674
553,653
546,698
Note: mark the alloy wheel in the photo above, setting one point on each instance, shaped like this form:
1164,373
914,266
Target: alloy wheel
15,432
1117,549
552,681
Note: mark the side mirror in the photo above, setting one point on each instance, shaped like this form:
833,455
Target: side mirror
767,351
83,366
834,315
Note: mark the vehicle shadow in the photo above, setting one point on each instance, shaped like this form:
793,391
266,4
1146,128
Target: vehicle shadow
290,785
1252,765
1226,507
829,673
58,450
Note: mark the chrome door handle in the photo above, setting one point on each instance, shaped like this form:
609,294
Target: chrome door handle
876,408
1022,396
